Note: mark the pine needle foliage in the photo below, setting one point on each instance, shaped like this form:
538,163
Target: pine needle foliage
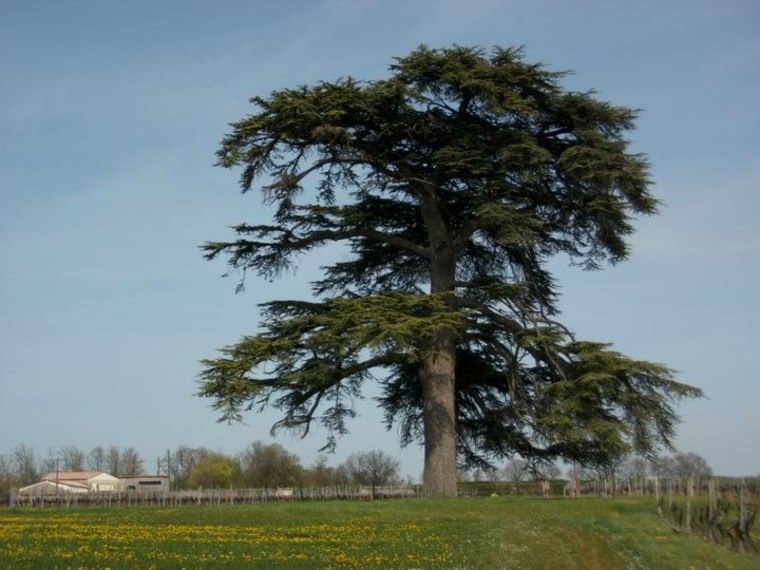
450,183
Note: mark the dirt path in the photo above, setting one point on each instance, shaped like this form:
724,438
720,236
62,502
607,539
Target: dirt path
595,553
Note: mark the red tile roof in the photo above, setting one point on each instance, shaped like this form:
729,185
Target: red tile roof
71,475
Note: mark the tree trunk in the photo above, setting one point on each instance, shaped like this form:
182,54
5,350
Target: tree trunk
438,395
440,475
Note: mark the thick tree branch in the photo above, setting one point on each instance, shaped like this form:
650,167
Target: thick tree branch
395,240
296,399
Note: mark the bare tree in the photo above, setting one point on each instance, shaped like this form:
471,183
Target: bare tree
683,465
180,463
341,477
113,461
576,472
320,474
51,463
372,468
96,459
663,467
72,458
516,470
634,468
493,475
24,463
690,464
6,475
547,472
130,463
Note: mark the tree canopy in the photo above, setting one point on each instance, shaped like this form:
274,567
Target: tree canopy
450,183
214,470
270,465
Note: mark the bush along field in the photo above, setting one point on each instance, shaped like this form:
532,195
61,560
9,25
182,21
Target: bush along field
477,532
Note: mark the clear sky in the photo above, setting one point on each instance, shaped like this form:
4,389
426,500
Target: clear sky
110,114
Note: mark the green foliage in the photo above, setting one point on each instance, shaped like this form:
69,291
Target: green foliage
213,470
317,352
269,466
450,183
579,400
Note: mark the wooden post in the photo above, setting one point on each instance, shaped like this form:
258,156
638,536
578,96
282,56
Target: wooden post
742,517
689,491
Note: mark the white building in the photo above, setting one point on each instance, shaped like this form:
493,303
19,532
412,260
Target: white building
94,482
72,482
144,483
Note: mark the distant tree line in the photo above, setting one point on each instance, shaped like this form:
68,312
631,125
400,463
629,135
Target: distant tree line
262,465
22,466
259,465
682,465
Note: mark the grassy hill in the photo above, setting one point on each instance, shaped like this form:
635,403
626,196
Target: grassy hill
481,532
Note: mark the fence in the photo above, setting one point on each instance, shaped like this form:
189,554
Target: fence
209,496
719,509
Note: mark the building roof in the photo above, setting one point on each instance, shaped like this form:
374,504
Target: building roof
143,477
53,487
71,475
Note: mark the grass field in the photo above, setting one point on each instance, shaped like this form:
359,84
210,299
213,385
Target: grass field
491,532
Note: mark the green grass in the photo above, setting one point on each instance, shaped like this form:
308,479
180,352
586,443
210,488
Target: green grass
489,532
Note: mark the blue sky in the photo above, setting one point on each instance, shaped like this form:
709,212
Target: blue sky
110,113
